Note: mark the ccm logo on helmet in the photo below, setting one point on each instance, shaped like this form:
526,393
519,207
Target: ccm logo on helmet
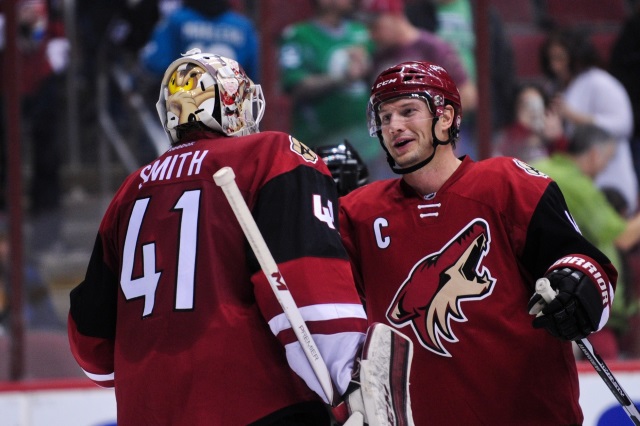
384,83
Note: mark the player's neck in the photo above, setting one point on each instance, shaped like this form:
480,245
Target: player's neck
430,178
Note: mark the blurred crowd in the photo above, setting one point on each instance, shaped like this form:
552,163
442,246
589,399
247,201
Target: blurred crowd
577,120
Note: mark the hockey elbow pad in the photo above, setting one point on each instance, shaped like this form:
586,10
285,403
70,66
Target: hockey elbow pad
581,305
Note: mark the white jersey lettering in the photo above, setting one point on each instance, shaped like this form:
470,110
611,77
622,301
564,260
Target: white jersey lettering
164,169
324,214
378,224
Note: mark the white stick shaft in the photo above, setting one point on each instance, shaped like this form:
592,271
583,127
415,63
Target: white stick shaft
543,288
225,178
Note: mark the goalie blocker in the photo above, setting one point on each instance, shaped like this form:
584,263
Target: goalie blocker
379,390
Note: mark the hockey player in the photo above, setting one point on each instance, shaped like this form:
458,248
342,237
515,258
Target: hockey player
449,253
174,310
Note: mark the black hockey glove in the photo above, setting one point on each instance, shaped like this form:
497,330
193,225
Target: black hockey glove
577,308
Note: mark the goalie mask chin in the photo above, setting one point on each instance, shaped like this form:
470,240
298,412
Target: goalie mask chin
203,91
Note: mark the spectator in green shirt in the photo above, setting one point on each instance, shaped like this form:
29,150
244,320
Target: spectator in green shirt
324,63
588,152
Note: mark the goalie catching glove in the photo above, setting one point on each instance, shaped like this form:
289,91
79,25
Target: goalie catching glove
379,390
582,302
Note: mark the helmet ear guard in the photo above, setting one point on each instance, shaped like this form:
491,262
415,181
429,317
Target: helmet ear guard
203,90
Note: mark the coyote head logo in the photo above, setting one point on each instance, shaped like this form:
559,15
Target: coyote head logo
430,297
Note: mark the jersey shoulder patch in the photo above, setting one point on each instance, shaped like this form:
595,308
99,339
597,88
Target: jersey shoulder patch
302,150
529,169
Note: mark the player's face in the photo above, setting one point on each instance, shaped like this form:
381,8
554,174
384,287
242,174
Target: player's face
406,130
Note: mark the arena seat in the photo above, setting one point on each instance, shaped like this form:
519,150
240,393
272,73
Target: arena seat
591,12
516,12
526,47
603,42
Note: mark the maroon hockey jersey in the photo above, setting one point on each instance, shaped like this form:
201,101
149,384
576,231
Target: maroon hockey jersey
174,310
454,270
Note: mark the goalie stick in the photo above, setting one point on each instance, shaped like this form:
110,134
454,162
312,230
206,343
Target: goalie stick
543,288
225,179
386,349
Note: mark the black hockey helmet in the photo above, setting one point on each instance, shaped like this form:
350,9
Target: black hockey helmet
346,166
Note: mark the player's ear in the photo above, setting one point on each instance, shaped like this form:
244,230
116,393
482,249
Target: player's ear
447,117
445,122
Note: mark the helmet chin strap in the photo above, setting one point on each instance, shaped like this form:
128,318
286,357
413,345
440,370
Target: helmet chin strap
421,164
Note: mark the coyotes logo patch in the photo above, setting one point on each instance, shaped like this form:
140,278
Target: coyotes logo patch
431,296
302,150
529,169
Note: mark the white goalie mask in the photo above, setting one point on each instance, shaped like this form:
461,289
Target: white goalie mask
207,89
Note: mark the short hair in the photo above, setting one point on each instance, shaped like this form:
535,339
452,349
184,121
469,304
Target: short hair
586,136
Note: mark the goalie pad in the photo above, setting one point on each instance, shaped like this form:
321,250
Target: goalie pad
383,395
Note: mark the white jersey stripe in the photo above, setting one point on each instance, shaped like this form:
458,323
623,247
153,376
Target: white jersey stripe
99,377
324,312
